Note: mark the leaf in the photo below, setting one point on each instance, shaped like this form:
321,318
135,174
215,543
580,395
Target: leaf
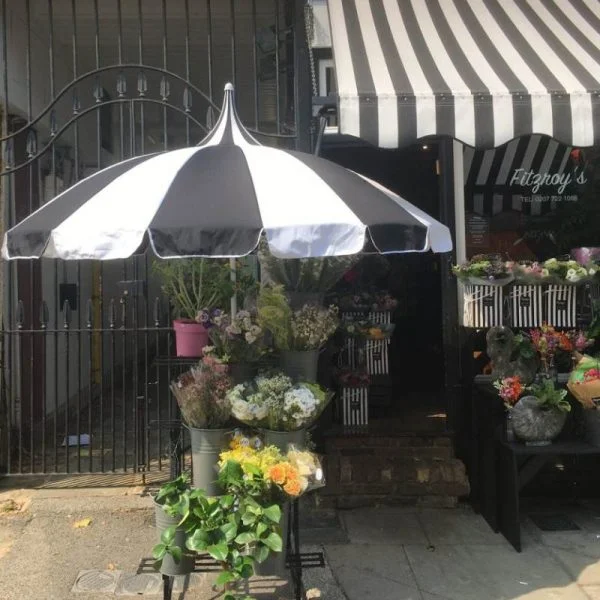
231,472
218,551
83,523
253,469
245,538
227,501
273,541
198,541
159,551
230,531
176,553
246,571
273,513
248,519
262,553
260,529
225,577
168,535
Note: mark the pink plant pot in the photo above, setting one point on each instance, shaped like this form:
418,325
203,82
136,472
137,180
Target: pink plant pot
190,337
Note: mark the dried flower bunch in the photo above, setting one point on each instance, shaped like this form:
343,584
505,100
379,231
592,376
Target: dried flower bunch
277,404
305,329
312,326
201,394
237,339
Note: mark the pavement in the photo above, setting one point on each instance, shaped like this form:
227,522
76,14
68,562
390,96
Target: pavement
87,544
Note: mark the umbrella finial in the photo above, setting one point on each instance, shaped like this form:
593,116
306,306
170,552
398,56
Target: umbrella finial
229,87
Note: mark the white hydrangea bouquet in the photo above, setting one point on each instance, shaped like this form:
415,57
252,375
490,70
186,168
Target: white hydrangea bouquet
275,403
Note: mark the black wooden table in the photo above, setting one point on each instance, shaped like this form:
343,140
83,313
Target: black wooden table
517,465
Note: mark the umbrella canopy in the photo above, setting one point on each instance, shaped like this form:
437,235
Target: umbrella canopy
217,199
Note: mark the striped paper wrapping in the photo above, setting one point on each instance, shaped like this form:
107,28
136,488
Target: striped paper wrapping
527,306
561,305
377,357
355,406
483,306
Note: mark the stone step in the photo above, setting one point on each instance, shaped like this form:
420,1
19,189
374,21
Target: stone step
392,469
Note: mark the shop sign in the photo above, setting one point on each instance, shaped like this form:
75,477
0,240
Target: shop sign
533,182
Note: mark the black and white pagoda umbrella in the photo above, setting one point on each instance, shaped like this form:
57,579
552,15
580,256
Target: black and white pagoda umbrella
217,199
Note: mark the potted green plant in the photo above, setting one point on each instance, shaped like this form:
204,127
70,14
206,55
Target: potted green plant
201,394
538,417
297,334
173,556
196,288
241,528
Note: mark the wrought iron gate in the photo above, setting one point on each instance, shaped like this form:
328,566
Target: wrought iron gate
86,346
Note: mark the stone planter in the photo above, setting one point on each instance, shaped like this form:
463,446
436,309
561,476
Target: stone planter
169,566
300,365
534,426
206,444
282,439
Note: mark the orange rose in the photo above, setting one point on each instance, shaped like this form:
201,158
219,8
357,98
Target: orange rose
291,472
277,473
292,487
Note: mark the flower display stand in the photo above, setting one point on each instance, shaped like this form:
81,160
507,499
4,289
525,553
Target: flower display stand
526,305
375,351
483,306
561,305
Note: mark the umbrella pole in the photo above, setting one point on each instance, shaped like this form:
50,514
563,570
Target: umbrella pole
233,275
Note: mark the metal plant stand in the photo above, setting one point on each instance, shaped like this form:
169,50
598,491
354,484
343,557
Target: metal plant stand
296,561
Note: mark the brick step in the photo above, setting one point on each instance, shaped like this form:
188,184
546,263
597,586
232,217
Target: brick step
392,469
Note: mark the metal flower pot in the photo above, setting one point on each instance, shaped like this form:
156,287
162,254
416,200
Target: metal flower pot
535,426
300,365
275,563
282,439
169,566
206,444
299,299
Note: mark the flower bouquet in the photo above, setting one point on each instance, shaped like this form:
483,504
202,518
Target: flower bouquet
528,272
547,341
484,270
201,394
566,271
365,301
237,341
368,329
584,381
350,377
510,390
276,403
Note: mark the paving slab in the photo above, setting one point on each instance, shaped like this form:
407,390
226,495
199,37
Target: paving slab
477,572
459,526
360,585
373,560
384,525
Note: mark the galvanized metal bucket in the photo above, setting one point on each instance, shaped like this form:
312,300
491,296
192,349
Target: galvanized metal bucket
206,444
169,566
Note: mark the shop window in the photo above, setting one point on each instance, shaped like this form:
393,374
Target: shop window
531,199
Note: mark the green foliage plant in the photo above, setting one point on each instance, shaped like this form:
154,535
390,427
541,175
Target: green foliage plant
549,397
238,529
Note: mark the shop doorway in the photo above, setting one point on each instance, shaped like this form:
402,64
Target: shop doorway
415,399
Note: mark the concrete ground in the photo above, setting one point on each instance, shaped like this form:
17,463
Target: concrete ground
49,550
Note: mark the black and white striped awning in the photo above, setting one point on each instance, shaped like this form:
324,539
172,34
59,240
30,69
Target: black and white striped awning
501,179
481,71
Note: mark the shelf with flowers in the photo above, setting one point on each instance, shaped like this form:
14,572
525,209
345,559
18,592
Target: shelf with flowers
548,291
298,335
279,407
376,306
247,525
